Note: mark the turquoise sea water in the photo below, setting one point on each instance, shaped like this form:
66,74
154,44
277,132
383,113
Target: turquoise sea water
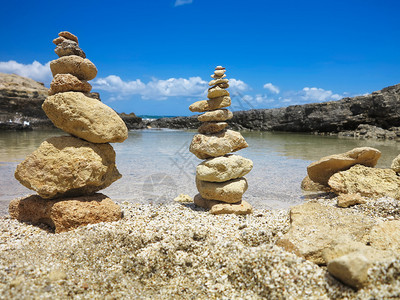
157,166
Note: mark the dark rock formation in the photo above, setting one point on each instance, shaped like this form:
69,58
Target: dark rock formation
380,108
175,123
132,121
21,103
365,131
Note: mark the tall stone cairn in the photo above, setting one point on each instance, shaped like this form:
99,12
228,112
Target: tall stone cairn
67,171
219,179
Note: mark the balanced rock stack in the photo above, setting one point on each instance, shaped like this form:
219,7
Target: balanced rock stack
67,171
219,179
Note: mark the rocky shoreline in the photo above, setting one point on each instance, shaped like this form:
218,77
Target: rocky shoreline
376,115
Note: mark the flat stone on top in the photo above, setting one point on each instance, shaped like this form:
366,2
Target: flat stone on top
69,36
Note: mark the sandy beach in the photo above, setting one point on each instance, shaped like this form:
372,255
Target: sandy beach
175,251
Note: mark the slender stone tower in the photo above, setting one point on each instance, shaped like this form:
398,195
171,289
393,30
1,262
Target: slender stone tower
67,171
219,179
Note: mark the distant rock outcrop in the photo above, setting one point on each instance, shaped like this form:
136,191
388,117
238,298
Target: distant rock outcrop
21,102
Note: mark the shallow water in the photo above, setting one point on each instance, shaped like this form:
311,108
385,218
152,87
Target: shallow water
157,166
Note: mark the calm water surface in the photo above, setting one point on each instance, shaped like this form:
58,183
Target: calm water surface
157,166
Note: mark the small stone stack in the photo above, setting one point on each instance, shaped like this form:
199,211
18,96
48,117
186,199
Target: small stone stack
219,179
67,171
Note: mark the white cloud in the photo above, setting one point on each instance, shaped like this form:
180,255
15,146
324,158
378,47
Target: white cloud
183,2
237,85
318,95
157,89
272,88
35,70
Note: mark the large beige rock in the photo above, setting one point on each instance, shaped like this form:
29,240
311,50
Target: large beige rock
66,83
80,67
68,166
368,182
67,213
352,268
219,207
212,127
315,227
386,236
218,144
85,117
320,171
206,105
224,168
396,164
216,115
229,191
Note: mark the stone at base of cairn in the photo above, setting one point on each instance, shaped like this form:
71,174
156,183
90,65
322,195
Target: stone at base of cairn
218,207
66,213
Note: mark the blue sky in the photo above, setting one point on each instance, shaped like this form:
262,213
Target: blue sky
156,57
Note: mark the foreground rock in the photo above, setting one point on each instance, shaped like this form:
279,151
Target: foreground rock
219,207
229,191
68,166
219,144
85,117
66,214
315,227
368,182
321,170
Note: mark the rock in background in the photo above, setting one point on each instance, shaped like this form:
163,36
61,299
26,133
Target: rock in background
77,165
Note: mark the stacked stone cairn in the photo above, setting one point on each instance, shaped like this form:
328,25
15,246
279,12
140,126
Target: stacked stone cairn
67,171
219,179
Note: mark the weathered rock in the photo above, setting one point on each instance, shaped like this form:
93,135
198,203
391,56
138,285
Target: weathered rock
366,131
212,127
310,186
68,166
217,81
20,101
206,105
386,236
352,269
368,182
183,198
68,47
223,168
216,92
59,40
80,67
229,191
219,207
67,213
218,144
321,170
69,36
219,68
66,83
85,117
216,115
315,227
395,166
218,77
346,200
